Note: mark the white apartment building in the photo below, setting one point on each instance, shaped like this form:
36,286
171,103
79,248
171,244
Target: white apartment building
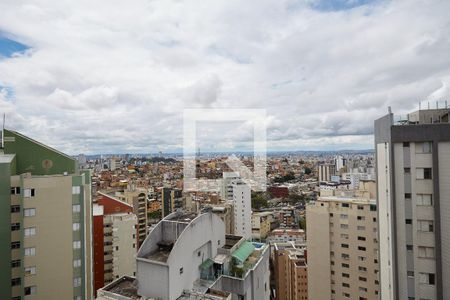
242,209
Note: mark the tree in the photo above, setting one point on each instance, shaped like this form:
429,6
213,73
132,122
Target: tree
259,200
302,223
308,171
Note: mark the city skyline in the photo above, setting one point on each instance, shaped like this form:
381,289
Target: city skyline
115,78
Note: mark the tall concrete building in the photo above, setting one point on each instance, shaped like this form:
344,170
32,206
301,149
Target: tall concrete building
45,223
413,170
342,243
291,271
326,171
171,200
115,240
242,209
137,198
226,189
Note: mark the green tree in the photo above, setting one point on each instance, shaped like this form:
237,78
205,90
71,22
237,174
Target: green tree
259,200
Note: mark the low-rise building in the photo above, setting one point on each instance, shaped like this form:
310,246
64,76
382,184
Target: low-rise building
261,223
286,235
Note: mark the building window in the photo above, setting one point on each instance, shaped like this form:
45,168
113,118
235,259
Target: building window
346,266
77,263
15,226
362,278
29,212
361,218
344,226
424,199
425,225
16,281
30,231
362,269
425,147
76,244
409,247
15,245
408,221
426,252
16,263
407,170
423,173
30,271
76,226
361,248
344,245
361,227
77,282
181,270
15,190
410,273
30,290
31,251
344,216
76,190
28,193
408,196
405,144
361,238
344,236
426,278
345,205
76,208
15,208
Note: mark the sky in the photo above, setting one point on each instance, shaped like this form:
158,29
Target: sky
114,76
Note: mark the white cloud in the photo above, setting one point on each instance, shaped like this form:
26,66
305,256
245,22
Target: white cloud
105,76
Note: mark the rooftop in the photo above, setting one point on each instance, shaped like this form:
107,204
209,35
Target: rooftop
231,240
182,217
347,199
125,286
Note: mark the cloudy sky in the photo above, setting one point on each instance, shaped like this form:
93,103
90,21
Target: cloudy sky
114,76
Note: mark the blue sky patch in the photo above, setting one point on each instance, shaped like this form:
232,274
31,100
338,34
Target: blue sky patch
337,5
8,47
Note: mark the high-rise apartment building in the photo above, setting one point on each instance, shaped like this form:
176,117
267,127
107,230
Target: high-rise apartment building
342,243
114,240
226,189
45,223
171,200
413,170
137,198
242,209
291,271
326,171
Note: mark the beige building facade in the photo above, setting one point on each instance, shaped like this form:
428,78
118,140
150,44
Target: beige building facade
291,271
342,243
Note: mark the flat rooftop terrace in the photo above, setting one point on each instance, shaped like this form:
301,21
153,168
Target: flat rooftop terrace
125,286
